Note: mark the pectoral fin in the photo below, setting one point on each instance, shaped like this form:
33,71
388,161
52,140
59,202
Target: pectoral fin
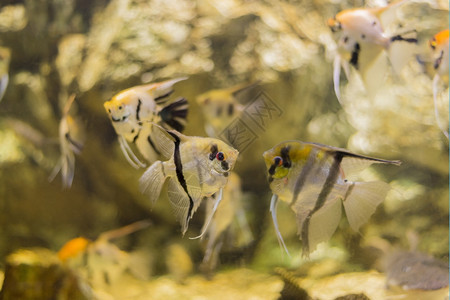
152,181
273,210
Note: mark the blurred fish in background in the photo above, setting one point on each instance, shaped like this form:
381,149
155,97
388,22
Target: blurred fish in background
100,263
221,106
439,44
133,111
361,38
5,58
229,220
71,141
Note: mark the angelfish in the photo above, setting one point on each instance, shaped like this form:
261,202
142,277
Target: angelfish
361,38
133,111
313,180
71,141
197,167
439,44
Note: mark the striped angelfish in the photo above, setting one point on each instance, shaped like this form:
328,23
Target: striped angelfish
312,179
133,111
198,167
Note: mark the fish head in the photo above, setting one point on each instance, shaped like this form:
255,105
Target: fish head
283,163
221,156
125,106
73,248
334,24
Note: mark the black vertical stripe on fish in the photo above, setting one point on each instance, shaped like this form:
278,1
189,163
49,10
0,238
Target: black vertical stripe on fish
225,165
138,109
284,153
331,179
438,61
214,151
349,191
230,109
77,146
355,55
300,182
179,172
161,99
149,139
136,136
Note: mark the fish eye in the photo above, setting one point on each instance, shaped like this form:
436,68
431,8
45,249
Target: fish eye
220,156
277,161
109,110
120,106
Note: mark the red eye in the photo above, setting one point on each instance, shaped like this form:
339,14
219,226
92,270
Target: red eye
220,156
277,161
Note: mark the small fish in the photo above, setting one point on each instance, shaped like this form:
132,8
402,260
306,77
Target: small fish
361,39
229,210
101,262
71,142
198,167
439,44
220,107
5,58
134,110
313,179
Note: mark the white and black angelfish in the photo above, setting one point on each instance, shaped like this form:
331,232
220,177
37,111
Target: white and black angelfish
197,167
313,180
133,111
361,38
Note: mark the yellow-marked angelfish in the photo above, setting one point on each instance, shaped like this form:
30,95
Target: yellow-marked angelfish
134,110
439,44
71,142
361,38
313,180
101,262
230,212
198,167
220,107
5,58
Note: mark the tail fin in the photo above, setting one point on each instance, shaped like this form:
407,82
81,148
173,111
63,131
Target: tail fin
152,181
362,199
175,114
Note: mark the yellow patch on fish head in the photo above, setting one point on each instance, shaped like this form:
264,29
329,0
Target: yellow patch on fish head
73,248
334,24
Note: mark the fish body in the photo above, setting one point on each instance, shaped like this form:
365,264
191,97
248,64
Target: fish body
133,111
313,180
100,262
198,167
220,107
361,38
439,45
5,58
71,142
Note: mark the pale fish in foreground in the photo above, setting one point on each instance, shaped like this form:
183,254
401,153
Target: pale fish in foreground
439,44
220,107
71,142
198,167
230,212
100,262
313,180
361,39
5,58
133,111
